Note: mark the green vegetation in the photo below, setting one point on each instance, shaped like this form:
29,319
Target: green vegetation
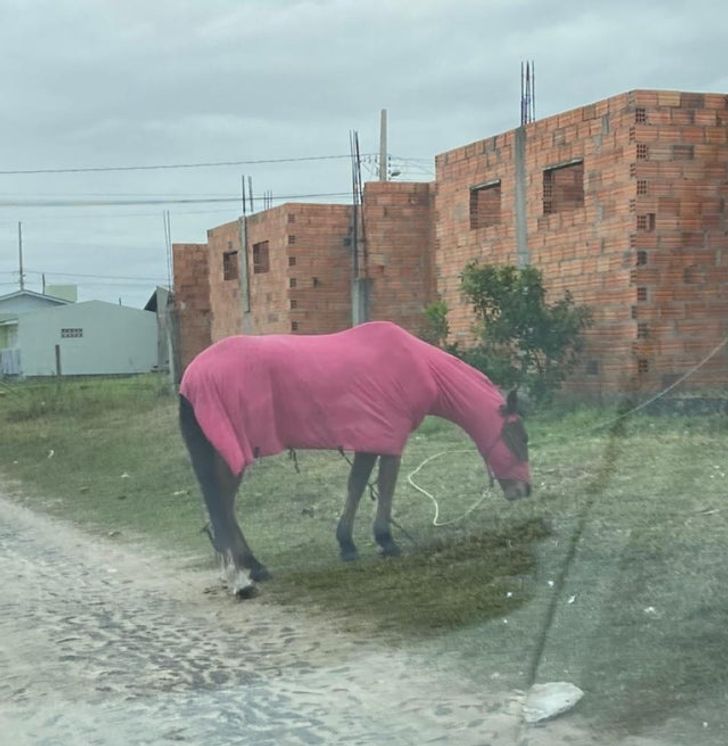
522,340
645,629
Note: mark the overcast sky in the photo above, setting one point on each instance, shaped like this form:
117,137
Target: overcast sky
120,83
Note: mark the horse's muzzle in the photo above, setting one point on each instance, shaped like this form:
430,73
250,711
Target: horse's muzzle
514,489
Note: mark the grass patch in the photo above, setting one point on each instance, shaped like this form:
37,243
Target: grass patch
644,634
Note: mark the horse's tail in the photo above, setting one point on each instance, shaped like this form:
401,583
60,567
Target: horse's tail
202,455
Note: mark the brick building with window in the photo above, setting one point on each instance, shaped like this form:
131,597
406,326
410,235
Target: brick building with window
622,202
293,268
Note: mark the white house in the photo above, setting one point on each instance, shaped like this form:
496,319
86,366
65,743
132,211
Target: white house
89,338
12,306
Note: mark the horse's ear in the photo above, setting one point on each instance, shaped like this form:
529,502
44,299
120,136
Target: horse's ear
511,406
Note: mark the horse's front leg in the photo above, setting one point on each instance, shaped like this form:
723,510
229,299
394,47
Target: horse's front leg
386,482
358,480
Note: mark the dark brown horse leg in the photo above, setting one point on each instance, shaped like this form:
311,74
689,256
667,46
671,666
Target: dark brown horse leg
358,479
218,486
241,556
386,482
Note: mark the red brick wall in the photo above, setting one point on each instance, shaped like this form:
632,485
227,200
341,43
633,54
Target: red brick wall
225,294
399,249
680,227
592,249
307,288
192,299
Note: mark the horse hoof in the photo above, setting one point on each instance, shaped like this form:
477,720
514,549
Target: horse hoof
347,551
390,550
260,574
250,591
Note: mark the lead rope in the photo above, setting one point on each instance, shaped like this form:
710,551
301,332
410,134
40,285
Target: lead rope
611,422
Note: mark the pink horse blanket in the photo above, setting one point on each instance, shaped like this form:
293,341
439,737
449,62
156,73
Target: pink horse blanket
363,389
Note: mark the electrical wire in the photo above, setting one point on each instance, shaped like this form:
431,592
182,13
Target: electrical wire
169,166
154,201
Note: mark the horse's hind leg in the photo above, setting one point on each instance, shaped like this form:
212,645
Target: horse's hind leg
241,553
386,482
218,486
358,479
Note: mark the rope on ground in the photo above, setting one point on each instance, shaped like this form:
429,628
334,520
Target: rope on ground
436,520
607,423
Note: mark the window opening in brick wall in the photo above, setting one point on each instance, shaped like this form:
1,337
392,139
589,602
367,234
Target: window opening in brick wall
291,217
643,330
641,294
292,282
592,368
291,239
294,326
72,332
634,312
230,265
642,187
315,282
691,275
683,152
643,365
643,152
261,257
291,261
563,187
294,303
641,259
646,222
640,116
485,204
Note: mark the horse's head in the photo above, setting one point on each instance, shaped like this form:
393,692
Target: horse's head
508,458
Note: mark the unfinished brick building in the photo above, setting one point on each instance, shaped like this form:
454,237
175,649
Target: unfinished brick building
623,202
295,268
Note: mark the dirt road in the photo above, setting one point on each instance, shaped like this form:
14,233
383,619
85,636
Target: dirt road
103,644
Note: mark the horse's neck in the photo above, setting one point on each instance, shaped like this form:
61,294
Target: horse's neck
468,399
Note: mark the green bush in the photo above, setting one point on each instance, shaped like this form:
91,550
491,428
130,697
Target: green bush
523,340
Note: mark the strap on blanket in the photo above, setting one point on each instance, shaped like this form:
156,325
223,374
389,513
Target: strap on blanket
370,485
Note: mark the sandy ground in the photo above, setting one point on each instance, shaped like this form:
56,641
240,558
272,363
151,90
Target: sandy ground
101,643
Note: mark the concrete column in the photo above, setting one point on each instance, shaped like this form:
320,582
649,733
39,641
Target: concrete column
523,258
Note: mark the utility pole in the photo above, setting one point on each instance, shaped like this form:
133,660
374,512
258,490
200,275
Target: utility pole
20,255
383,145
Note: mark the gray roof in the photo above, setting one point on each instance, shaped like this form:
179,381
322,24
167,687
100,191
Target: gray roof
33,294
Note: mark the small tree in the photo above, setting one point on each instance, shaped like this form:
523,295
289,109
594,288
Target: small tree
523,340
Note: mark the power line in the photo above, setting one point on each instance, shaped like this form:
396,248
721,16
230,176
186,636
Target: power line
167,166
160,201
91,276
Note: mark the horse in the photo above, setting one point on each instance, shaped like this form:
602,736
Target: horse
364,390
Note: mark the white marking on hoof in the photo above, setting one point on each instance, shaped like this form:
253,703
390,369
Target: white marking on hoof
238,581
